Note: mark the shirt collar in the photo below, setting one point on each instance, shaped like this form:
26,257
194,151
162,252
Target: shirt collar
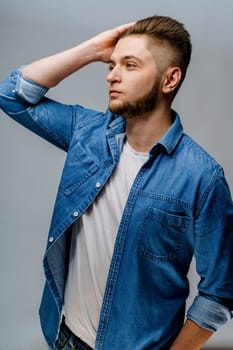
173,135
168,141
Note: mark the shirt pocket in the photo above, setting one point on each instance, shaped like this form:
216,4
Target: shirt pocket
161,234
80,165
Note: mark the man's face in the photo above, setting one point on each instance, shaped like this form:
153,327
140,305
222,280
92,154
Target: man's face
134,77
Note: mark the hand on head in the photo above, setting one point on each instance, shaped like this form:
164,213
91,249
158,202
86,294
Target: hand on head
106,41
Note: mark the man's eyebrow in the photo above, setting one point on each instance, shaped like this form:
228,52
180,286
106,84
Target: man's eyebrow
132,57
127,57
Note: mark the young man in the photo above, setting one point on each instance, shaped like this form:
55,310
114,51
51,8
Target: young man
137,199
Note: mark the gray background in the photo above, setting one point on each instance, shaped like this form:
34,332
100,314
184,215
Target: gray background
30,168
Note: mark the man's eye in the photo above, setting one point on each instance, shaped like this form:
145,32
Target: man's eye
131,65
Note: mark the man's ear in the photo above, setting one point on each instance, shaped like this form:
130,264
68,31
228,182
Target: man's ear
172,78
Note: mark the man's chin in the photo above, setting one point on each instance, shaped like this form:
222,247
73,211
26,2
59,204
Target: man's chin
125,110
120,111
116,109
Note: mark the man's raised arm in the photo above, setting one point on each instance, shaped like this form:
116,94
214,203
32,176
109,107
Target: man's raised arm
49,71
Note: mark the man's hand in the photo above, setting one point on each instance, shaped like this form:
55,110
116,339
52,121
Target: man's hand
106,41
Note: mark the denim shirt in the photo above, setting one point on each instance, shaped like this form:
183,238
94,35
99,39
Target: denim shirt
179,206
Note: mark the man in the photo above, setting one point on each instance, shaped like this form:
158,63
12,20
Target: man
137,199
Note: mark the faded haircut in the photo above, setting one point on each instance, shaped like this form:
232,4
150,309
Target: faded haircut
166,30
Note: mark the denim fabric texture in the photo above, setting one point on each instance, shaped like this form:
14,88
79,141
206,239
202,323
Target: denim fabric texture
178,207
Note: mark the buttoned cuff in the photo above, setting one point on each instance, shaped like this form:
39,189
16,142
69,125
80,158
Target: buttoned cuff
208,314
29,90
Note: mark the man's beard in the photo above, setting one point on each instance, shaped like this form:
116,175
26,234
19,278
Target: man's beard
140,106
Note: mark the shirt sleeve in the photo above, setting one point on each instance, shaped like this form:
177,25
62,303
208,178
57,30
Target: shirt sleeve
208,313
29,90
213,252
24,101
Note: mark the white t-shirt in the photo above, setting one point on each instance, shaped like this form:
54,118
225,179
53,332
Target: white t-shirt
92,246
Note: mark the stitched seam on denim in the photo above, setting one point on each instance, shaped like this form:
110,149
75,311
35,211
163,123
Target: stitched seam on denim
166,198
52,285
117,257
208,189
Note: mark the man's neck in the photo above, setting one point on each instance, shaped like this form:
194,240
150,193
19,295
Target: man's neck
144,131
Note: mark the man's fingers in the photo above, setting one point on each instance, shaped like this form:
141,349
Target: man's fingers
125,26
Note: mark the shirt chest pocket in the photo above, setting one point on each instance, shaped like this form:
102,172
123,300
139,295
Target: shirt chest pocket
161,234
80,165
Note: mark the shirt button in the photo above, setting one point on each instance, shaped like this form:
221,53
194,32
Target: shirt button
51,239
75,214
98,184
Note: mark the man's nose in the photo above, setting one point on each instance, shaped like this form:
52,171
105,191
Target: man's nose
114,75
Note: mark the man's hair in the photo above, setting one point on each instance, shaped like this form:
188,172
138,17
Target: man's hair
166,30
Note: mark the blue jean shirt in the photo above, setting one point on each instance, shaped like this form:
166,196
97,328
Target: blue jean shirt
179,206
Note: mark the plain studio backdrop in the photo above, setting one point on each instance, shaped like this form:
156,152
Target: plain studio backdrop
30,167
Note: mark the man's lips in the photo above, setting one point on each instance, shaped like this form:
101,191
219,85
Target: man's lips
114,93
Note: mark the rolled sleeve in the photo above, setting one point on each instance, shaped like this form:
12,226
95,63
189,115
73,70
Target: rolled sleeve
23,101
208,314
29,90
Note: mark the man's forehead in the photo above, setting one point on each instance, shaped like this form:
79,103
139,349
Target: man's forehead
133,46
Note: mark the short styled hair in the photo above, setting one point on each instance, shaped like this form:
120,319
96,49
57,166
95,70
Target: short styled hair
166,30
